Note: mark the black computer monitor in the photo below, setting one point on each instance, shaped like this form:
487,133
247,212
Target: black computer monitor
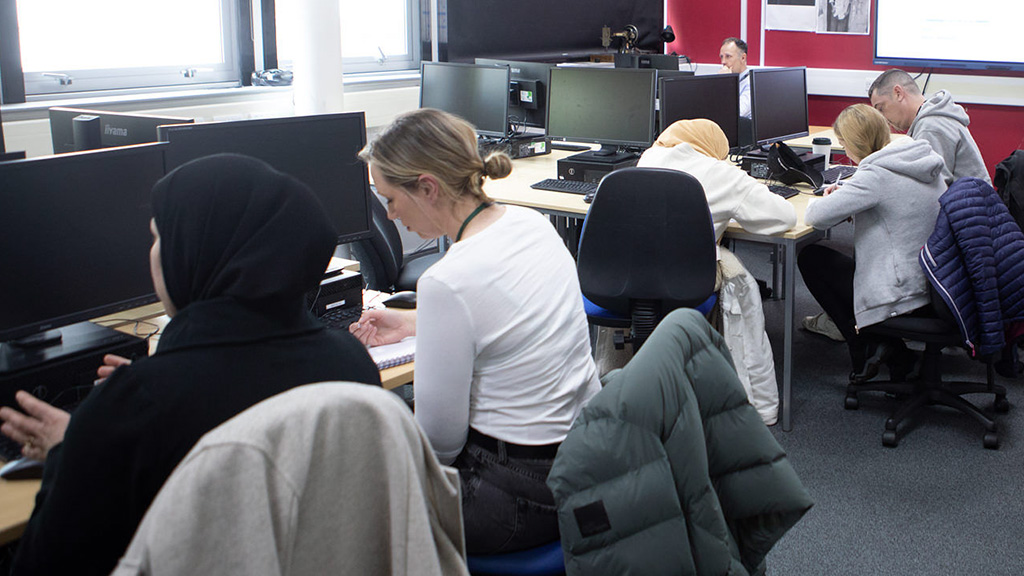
527,104
78,129
713,96
476,93
76,238
319,150
658,61
778,104
608,106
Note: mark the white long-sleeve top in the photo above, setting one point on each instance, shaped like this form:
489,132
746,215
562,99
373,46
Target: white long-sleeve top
731,192
502,343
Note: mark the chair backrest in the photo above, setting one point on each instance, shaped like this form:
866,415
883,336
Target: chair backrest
648,236
329,478
380,256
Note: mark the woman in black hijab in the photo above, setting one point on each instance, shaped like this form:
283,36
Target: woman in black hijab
236,246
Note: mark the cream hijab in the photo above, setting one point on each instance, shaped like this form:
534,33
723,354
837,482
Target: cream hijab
703,135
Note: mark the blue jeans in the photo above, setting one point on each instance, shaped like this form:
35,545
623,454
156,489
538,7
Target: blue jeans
506,504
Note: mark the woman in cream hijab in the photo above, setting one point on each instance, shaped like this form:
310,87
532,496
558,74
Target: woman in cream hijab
699,148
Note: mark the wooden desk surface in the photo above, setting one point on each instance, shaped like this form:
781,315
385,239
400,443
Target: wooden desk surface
17,498
515,189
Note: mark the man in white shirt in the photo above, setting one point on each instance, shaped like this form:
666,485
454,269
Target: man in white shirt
734,61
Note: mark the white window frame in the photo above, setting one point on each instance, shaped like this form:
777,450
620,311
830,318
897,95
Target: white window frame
47,84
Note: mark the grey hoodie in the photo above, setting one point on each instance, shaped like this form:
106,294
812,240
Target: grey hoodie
943,123
894,199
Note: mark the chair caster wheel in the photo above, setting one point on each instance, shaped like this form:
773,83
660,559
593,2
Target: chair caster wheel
851,403
991,440
1001,405
889,438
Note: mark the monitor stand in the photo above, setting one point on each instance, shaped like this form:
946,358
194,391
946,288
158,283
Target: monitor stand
57,364
605,155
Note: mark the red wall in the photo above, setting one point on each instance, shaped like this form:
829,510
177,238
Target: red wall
700,27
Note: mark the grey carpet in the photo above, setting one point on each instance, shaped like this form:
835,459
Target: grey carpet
938,503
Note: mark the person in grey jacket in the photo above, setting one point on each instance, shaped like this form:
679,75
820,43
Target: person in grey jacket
937,120
893,201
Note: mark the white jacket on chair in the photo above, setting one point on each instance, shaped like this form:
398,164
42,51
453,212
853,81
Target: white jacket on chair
329,478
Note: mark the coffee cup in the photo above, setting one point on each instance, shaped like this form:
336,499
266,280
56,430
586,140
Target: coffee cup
822,145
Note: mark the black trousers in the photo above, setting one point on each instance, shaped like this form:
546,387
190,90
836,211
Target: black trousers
828,275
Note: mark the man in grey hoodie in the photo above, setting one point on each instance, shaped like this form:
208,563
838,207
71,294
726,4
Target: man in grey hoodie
938,120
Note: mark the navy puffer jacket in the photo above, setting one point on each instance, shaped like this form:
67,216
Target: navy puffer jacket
975,261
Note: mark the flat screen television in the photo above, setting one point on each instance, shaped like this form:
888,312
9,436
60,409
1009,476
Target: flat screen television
778,104
712,96
475,93
319,150
78,129
928,34
613,107
76,237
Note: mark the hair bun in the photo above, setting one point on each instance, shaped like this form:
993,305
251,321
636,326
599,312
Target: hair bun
497,165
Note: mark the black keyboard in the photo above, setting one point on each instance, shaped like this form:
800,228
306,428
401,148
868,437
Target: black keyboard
9,449
340,318
837,173
784,191
570,186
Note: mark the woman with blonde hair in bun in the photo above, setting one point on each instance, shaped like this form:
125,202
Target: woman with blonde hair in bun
503,359
699,148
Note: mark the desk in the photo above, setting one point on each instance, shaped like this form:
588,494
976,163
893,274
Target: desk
515,189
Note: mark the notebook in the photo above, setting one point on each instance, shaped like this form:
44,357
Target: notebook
395,354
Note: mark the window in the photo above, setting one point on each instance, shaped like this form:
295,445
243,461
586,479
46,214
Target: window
376,35
75,46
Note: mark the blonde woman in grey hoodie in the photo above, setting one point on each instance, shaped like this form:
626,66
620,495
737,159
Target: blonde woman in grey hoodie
893,203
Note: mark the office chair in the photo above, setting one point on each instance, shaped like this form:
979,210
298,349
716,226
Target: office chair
937,330
380,257
974,261
328,478
647,248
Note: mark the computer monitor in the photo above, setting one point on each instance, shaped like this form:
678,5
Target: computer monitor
476,93
78,129
319,150
713,96
527,93
778,104
609,106
76,238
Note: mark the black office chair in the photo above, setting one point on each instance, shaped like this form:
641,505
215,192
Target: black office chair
647,248
936,330
380,257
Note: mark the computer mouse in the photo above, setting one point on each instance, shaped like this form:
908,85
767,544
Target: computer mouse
22,469
403,299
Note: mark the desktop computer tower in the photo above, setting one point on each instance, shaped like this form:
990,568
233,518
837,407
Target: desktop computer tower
63,374
585,168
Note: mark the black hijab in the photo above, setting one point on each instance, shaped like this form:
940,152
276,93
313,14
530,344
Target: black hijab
232,226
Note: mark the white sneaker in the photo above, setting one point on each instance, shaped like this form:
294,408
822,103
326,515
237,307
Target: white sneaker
822,324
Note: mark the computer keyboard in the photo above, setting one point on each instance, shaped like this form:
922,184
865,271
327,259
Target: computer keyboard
9,449
784,191
837,172
341,318
570,186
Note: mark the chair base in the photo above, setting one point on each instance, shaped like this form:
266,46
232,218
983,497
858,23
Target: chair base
930,390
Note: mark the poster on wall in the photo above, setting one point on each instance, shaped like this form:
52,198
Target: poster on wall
844,16
793,15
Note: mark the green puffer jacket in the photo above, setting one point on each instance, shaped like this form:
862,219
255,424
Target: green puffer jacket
669,470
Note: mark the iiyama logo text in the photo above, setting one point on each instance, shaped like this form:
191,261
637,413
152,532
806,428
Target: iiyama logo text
109,130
